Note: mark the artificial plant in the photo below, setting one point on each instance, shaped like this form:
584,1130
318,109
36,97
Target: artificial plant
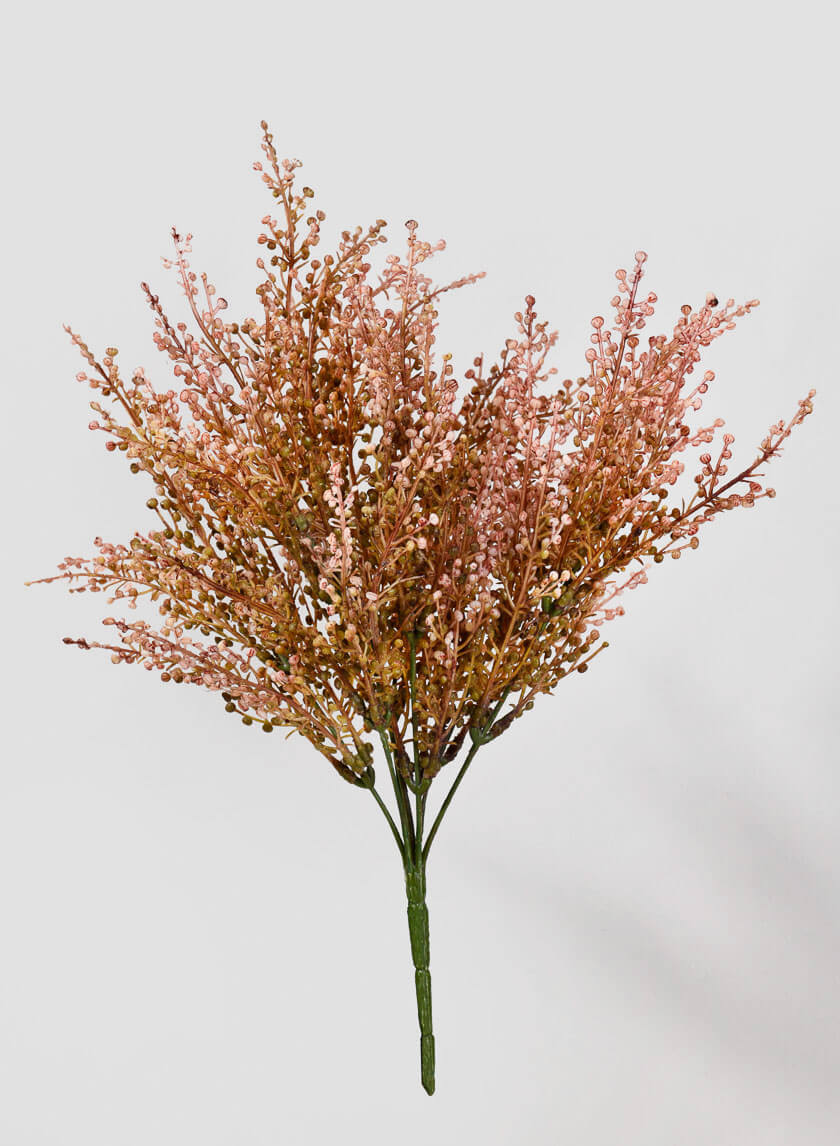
349,545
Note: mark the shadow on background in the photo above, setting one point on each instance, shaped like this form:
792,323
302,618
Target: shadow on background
778,1018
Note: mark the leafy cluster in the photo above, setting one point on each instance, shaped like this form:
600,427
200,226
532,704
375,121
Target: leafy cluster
363,550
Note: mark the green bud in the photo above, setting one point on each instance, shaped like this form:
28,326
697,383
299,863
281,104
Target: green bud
367,778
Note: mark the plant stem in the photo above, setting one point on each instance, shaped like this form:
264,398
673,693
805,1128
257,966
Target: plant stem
414,854
481,737
389,818
400,791
419,797
446,802
418,930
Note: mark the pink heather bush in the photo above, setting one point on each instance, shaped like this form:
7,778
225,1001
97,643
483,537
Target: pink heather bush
346,547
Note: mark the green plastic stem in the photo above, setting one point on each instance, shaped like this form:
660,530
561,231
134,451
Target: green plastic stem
418,930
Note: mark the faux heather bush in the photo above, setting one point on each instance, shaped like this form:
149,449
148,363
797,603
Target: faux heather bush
349,546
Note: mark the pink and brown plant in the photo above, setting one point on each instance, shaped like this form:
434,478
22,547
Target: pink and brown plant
347,547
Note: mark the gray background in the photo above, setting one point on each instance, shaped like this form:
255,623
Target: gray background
635,902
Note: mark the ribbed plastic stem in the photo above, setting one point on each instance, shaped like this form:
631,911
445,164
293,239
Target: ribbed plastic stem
418,930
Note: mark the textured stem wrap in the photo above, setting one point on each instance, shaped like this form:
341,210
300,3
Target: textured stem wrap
418,930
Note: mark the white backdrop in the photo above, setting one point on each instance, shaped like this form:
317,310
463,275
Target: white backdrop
635,900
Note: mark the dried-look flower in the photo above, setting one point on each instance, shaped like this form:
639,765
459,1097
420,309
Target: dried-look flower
370,557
